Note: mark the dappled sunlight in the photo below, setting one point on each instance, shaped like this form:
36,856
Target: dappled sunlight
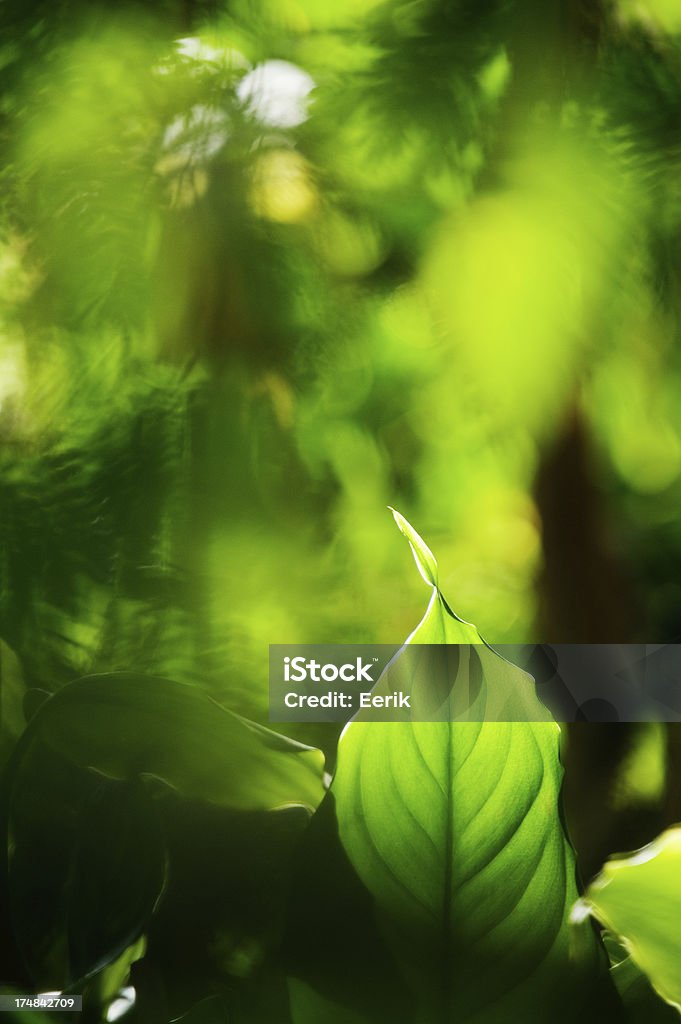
276,93
657,15
517,281
282,188
13,372
404,311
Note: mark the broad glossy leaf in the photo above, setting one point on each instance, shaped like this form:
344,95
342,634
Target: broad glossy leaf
311,1006
46,799
454,829
639,899
34,698
174,739
128,726
641,1003
86,869
102,989
117,874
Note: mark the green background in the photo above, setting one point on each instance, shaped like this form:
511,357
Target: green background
440,270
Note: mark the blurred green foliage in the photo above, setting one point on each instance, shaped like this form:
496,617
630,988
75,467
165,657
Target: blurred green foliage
266,268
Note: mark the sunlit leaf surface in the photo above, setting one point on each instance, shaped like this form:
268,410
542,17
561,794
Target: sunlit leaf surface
454,829
639,899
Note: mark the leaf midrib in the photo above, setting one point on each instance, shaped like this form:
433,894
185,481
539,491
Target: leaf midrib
447,886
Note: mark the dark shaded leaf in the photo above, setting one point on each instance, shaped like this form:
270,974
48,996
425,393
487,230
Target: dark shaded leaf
34,700
332,935
117,876
126,725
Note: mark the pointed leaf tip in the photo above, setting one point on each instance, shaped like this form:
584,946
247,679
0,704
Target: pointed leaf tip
423,556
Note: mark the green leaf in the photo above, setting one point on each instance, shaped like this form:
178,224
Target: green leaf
310,1006
101,989
424,557
117,875
454,828
34,698
127,726
40,827
12,721
28,1016
641,1003
105,731
638,897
